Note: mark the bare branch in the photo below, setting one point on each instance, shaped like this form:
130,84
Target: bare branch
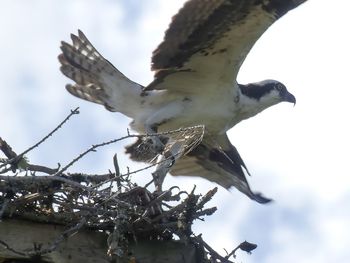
6,149
15,159
215,256
245,246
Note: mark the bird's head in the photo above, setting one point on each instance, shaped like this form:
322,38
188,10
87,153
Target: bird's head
269,92
258,96
278,91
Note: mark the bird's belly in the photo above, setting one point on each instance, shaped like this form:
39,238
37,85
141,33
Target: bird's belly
216,112
212,123
216,117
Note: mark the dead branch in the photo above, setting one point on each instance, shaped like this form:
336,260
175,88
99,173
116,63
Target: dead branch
15,159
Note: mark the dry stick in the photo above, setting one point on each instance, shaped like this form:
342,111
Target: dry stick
179,207
73,112
207,197
91,149
117,172
40,168
49,178
70,182
152,203
94,147
29,179
56,175
232,252
9,153
133,172
211,251
245,246
34,168
205,212
6,149
153,164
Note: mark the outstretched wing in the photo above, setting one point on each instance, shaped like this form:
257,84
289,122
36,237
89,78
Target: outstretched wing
217,160
97,80
210,39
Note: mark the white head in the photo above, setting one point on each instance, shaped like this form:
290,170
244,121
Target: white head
259,96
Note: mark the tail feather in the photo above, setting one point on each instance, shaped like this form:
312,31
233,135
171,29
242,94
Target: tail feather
90,93
80,76
81,61
97,80
84,46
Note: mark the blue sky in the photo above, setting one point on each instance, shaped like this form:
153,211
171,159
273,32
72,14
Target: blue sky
298,156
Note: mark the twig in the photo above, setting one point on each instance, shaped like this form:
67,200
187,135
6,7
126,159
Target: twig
91,149
117,172
211,251
89,178
72,112
14,159
155,204
166,162
32,179
207,197
179,207
32,168
75,177
40,168
6,149
245,246
205,212
135,171
9,153
94,147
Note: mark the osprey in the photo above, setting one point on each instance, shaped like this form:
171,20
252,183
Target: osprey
195,68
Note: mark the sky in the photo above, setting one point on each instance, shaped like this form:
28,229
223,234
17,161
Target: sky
297,155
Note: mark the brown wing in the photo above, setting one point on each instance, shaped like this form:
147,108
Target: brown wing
217,160
210,39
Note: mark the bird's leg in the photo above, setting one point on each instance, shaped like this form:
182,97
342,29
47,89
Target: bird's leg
160,172
165,162
158,146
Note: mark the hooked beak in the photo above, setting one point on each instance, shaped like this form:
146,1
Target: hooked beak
289,97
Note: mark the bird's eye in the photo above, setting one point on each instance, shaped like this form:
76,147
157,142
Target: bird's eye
279,87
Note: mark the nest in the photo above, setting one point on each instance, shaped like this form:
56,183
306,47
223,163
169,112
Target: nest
109,203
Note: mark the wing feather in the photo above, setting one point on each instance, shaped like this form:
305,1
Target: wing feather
210,39
217,160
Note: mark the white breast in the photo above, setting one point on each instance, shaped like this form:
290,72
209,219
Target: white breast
174,110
